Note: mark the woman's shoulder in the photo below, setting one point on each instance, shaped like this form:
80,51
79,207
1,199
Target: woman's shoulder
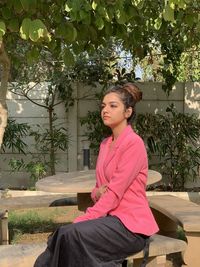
133,138
105,141
132,134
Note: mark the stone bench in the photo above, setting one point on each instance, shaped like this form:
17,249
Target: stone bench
171,212
160,246
4,236
13,203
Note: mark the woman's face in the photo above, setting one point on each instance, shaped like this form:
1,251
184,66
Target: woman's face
113,111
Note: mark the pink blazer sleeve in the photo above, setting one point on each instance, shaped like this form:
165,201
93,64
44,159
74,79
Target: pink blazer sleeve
129,165
93,194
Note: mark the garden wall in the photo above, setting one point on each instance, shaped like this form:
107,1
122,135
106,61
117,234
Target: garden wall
185,96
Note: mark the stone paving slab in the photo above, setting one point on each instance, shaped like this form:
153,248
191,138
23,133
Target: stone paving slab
24,255
20,255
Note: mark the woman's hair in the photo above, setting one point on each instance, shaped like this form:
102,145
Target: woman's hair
129,93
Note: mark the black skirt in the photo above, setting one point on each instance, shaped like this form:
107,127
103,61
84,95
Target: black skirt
103,242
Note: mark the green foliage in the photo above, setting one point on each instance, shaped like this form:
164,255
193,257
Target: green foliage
44,138
46,142
96,130
2,29
98,67
34,29
174,138
189,69
156,69
181,234
13,139
36,168
68,57
14,135
67,28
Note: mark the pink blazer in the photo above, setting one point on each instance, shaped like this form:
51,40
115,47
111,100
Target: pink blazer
124,171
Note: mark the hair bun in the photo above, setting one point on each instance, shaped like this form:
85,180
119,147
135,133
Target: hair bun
133,90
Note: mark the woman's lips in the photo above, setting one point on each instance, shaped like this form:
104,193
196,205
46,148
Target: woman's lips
106,117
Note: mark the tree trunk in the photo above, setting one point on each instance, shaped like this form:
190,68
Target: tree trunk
5,72
52,148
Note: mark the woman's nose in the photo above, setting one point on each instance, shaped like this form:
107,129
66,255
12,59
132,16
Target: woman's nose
104,110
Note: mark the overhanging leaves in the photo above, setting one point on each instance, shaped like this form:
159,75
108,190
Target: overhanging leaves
33,29
67,32
68,58
24,29
86,25
2,29
37,30
28,5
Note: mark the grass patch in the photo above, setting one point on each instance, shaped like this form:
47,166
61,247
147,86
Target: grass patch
30,222
34,221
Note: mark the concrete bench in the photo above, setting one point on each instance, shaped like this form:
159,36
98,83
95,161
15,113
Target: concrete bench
171,211
25,255
4,236
13,203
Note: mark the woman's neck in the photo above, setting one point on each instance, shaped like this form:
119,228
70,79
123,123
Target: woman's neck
117,131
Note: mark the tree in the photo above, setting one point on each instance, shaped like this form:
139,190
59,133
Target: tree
48,140
65,28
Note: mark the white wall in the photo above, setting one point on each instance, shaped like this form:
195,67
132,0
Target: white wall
185,96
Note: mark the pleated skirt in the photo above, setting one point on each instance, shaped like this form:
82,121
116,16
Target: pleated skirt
102,242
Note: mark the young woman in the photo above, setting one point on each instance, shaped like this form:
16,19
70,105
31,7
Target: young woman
120,221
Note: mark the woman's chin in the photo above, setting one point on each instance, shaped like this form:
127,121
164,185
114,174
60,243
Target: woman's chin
105,122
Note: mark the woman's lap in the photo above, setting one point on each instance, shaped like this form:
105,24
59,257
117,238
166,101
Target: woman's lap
103,242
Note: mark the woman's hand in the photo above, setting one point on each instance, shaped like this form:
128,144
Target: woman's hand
100,191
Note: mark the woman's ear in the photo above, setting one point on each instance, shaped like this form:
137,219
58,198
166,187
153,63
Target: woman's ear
128,112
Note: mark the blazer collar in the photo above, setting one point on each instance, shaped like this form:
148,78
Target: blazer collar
122,135
118,142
